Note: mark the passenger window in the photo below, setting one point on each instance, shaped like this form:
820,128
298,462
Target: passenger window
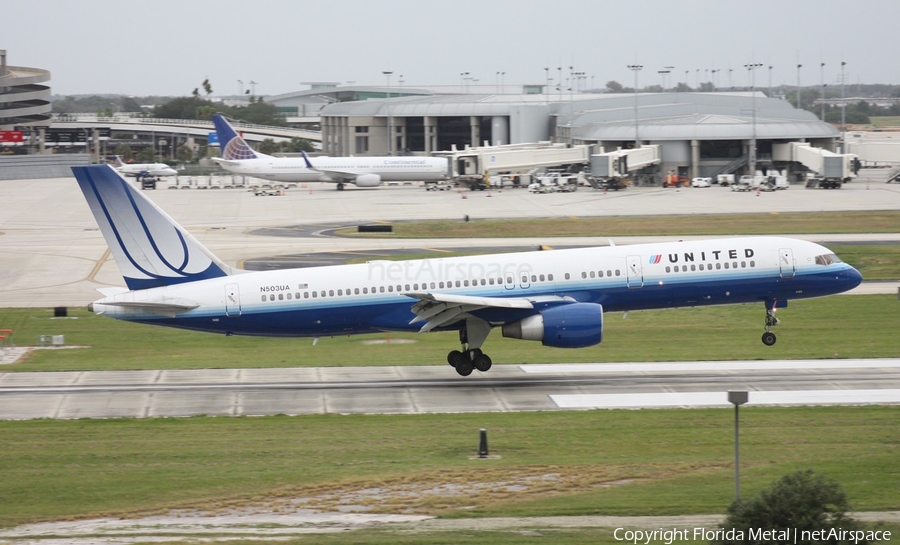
609,273
599,274
726,265
306,294
272,297
743,264
331,293
391,289
263,298
592,274
718,266
404,289
432,285
466,283
381,289
618,273
701,266
567,276
491,281
584,275
752,263
458,284
356,291
281,297
509,280
340,292
693,268
550,278
314,295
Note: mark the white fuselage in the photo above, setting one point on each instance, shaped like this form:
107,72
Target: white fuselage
369,297
341,169
150,169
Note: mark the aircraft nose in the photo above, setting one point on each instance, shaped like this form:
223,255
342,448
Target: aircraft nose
853,278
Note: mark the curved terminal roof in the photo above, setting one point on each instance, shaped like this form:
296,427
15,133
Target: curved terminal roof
596,117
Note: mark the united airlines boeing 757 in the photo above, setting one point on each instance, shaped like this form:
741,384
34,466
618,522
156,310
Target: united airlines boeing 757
557,298
239,158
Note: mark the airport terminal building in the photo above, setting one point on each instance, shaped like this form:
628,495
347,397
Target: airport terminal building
700,134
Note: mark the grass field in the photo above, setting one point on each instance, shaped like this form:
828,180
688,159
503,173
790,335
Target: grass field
885,121
859,326
650,462
874,221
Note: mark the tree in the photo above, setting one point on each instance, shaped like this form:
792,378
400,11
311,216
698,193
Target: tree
613,86
801,501
296,145
124,151
268,146
146,155
184,153
207,88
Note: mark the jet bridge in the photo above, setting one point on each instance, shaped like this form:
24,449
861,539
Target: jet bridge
827,166
514,158
623,162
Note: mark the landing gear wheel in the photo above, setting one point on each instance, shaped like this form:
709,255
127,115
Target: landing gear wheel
482,363
464,367
454,357
340,187
768,338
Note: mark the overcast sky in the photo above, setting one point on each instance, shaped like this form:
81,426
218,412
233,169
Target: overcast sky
168,47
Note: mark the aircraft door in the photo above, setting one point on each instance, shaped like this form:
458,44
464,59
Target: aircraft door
634,271
232,300
786,262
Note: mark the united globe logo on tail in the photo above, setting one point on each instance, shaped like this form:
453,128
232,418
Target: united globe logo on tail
237,150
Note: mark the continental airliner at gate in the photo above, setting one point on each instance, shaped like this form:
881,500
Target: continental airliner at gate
554,297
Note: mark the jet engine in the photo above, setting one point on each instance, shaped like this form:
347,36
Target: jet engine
367,180
575,325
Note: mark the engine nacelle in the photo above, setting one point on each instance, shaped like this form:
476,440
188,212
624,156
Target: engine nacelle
367,180
566,326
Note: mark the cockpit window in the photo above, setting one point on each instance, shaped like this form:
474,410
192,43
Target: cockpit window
827,259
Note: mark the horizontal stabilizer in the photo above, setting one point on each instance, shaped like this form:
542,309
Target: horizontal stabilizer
170,308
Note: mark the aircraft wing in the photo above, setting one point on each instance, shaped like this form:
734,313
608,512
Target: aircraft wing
440,309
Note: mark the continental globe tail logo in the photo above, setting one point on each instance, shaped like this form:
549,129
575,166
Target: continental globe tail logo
237,150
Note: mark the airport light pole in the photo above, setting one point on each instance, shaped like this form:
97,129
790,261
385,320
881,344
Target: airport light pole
390,133
770,81
822,89
799,66
843,107
751,69
636,68
737,398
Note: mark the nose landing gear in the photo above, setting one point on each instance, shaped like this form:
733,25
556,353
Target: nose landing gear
768,338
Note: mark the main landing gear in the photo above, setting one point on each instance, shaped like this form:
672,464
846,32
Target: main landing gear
340,186
471,337
768,338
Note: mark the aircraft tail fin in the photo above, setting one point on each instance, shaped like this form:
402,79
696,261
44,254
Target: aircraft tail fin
149,247
233,147
118,162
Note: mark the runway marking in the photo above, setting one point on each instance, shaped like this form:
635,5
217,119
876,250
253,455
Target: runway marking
98,265
720,399
656,367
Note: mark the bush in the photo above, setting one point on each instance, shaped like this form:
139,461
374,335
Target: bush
798,502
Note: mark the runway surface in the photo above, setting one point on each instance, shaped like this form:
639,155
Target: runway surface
437,389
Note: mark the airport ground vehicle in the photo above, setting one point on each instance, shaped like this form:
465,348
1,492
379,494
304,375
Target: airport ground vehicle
701,182
554,182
